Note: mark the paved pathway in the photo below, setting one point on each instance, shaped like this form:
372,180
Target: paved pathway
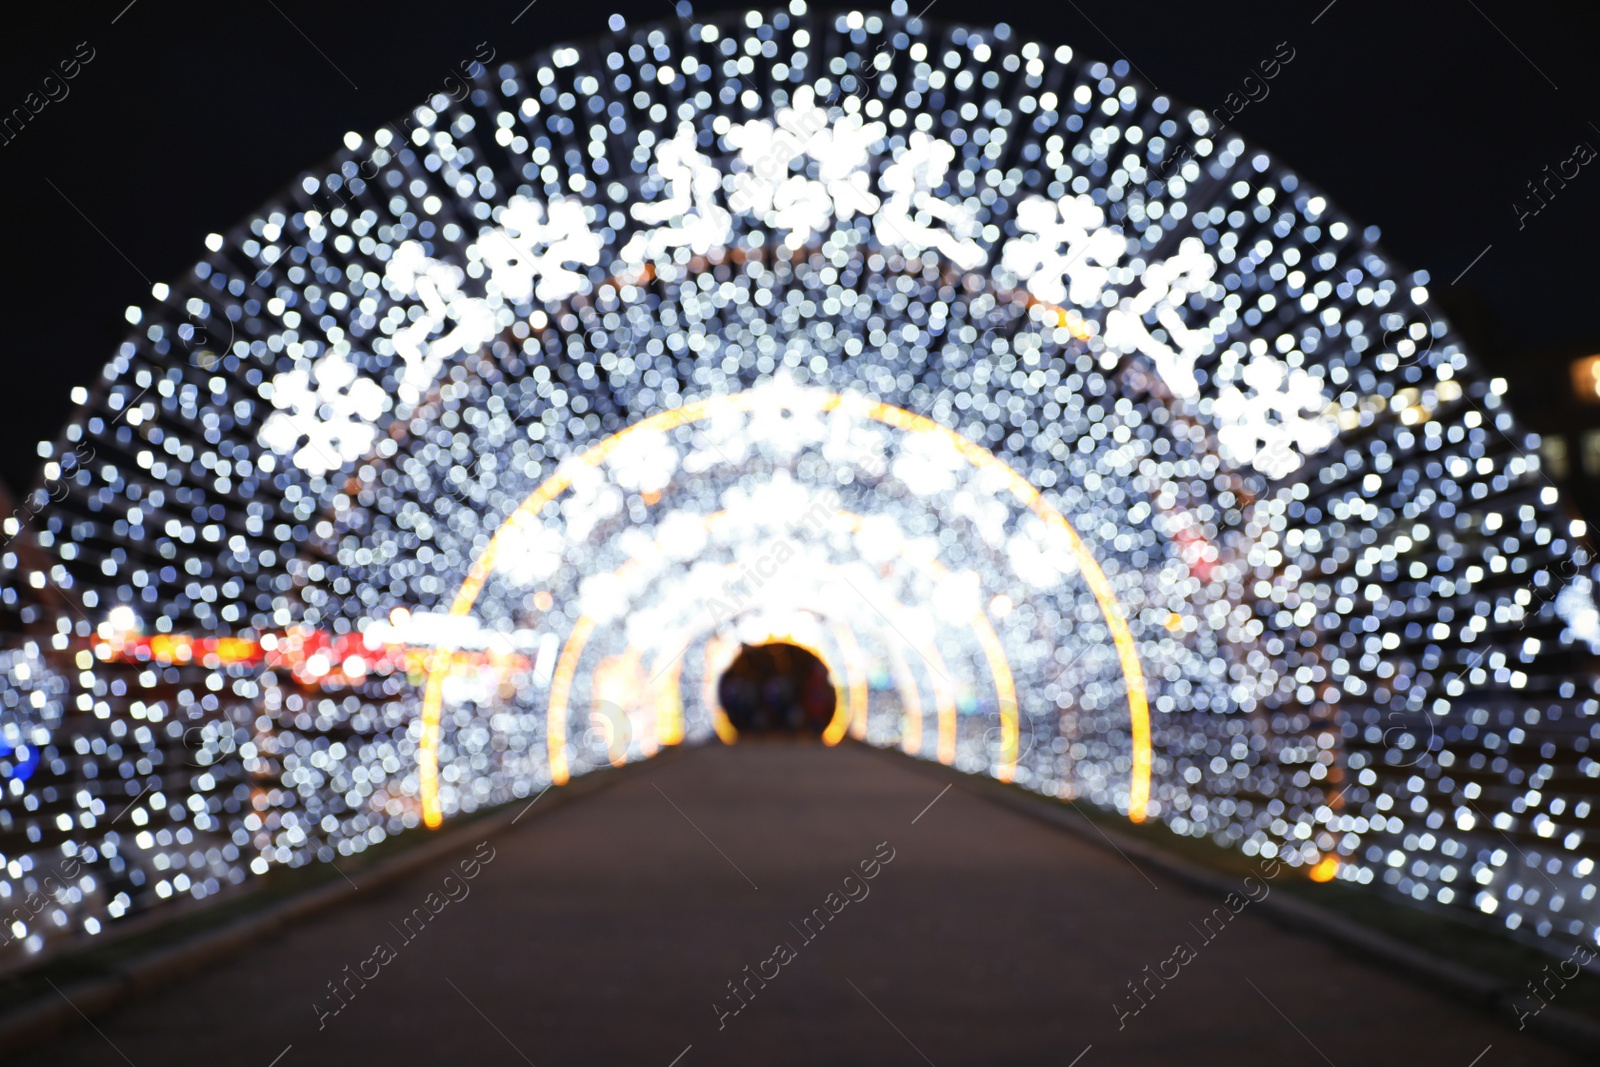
608,931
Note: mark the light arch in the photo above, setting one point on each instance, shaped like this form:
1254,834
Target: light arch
850,703
898,418
1232,577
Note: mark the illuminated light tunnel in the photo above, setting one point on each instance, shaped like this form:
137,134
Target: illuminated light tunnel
1088,447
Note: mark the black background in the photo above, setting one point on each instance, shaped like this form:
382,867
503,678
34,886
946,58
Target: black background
1418,116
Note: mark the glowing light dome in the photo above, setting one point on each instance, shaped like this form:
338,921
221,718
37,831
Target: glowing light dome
466,465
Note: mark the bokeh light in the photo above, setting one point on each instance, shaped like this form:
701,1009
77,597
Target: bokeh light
908,343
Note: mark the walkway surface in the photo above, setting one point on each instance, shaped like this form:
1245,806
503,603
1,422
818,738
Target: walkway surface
607,931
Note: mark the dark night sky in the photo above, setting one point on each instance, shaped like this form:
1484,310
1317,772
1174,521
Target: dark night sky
1420,116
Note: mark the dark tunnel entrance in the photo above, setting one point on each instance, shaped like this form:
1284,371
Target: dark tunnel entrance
777,689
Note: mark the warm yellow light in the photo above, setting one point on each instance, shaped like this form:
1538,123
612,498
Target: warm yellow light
1586,379
560,693
855,670
669,702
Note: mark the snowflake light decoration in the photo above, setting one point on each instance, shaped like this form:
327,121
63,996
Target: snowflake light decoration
528,246
1277,423
329,408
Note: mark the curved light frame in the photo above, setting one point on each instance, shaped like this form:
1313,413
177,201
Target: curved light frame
846,706
851,701
898,418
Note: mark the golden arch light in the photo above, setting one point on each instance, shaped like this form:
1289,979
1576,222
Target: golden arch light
851,702
1000,478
